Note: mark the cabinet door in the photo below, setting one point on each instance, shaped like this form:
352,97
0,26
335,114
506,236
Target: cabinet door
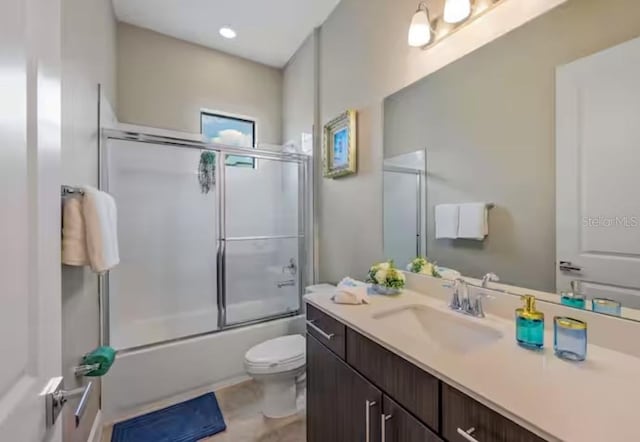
460,414
400,426
341,405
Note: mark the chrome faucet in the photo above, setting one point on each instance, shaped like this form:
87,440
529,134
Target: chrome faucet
489,277
461,301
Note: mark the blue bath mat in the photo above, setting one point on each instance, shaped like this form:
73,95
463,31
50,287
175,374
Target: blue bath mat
187,421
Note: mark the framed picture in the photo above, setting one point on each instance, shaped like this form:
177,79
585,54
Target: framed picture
340,145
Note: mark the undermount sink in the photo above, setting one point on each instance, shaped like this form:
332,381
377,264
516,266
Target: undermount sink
447,330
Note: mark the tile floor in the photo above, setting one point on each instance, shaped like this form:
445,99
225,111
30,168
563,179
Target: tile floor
240,405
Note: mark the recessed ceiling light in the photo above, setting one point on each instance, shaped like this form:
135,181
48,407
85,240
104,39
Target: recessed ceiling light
227,32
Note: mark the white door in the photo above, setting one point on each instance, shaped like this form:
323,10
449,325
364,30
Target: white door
30,215
598,173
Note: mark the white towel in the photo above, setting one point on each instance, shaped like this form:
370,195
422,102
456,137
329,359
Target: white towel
348,281
100,217
447,216
74,243
351,295
474,221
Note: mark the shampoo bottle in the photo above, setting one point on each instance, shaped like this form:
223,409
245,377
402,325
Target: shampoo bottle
529,324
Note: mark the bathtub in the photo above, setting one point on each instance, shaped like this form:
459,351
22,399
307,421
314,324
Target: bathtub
140,377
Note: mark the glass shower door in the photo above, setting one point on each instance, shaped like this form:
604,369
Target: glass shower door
261,241
165,287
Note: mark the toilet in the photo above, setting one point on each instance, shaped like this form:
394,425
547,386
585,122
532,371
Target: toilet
278,365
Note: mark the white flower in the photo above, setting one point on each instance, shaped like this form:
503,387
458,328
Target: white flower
400,276
383,266
381,276
427,269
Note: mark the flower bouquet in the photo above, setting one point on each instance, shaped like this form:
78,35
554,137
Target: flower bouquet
423,266
386,279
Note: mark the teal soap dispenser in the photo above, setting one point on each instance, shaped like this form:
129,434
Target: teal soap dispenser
530,324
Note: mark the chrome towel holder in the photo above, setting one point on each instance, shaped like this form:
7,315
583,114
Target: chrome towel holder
70,190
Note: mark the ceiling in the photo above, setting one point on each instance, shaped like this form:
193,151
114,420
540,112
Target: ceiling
269,31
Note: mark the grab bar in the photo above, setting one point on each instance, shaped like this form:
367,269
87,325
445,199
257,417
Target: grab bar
288,283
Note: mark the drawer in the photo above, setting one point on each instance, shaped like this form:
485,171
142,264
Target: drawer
459,411
326,330
409,386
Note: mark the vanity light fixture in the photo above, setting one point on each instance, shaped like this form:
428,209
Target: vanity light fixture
227,32
456,11
420,31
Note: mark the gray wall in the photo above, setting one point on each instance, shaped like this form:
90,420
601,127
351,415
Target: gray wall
364,57
487,122
164,82
88,58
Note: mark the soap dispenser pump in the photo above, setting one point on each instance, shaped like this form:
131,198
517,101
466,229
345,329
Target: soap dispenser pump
530,324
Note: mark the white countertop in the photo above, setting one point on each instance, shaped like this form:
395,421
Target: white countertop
596,400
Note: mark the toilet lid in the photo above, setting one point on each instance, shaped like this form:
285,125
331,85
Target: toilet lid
277,351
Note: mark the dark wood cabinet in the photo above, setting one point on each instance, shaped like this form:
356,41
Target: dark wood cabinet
401,426
341,404
326,330
411,387
460,412
358,391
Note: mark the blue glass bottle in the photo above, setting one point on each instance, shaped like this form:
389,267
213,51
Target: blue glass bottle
572,299
530,325
570,338
606,306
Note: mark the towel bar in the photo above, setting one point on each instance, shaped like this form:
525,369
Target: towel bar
70,190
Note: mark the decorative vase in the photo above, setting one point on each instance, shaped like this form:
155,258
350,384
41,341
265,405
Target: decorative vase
387,291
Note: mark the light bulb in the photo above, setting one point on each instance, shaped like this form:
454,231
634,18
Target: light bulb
227,32
420,29
456,11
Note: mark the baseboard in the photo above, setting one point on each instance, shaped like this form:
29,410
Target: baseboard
96,429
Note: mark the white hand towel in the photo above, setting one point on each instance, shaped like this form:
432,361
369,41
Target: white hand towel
347,281
447,216
100,217
351,295
474,222
74,243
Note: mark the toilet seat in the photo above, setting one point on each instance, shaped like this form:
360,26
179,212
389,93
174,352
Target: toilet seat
277,355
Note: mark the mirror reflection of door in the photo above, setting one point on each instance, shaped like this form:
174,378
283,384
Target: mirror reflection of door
597,217
404,207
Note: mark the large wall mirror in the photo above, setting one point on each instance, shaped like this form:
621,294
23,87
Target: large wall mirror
541,127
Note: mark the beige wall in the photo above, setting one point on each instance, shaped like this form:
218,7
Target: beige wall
363,58
298,93
164,82
88,58
488,124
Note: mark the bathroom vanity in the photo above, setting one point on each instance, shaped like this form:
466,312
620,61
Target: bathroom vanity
358,390
406,369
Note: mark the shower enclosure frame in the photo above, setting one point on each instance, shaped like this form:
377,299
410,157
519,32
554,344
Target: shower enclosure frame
303,235
420,177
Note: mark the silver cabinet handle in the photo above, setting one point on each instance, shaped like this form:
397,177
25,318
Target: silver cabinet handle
322,333
367,419
383,426
468,434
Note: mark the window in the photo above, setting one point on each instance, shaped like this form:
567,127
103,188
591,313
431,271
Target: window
232,131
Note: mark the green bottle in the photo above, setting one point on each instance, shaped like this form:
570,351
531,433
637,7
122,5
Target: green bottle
530,324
